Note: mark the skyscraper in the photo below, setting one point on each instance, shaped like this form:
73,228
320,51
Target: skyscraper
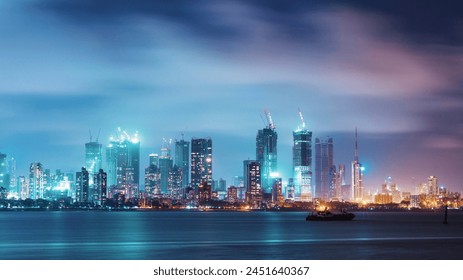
36,190
154,159
23,187
93,158
433,188
100,190
302,163
12,174
152,180
339,181
123,162
175,189
182,160
333,177
165,165
82,186
357,174
3,171
323,165
201,162
252,182
266,154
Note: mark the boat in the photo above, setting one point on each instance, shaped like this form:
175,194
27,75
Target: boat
329,216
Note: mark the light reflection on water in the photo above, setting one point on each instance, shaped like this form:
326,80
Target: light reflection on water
227,235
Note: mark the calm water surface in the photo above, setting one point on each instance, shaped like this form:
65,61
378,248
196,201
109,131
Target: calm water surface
227,235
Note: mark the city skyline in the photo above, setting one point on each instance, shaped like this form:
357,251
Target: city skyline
164,70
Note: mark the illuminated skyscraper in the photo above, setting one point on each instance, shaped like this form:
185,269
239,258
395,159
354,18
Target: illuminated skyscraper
93,158
252,182
12,174
302,164
152,180
201,162
433,188
3,171
266,155
165,165
123,163
47,184
232,194
154,159
175,189
277,192
357,174
323,165
82,186
182,160
36,190
100,191
339,180
23,187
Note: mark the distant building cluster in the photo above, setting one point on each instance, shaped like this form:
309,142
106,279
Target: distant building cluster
183,178
427,195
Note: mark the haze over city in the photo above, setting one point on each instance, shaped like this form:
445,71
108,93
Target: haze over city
209,70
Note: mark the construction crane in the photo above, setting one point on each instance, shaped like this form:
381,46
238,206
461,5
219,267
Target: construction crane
302,118
271,125
98,135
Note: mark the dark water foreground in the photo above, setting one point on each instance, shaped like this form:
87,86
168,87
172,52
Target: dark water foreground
227,235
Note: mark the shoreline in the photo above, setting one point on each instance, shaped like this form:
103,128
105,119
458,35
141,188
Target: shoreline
218,210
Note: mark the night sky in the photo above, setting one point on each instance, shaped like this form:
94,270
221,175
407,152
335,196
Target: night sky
209,69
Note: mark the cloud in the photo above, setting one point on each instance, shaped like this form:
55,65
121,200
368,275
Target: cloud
338,49
167,66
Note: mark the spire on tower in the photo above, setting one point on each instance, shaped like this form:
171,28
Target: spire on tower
302,118
356,155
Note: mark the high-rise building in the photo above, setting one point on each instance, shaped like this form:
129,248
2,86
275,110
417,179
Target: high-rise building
93,158
152,180
165,166
238,182
204,193
232,194
36,190
23,187
252,182
219,185
219,188
100,190
277,191
154,159
123,163
4,171
175,189
333,177
47,184
182,160
12,174
82,186
433,188
302,164
201,162
323,165
266,155
357,174
339,181
290,190
63,187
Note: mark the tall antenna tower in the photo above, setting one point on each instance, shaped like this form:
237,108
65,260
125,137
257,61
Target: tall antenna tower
356,155
302,118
